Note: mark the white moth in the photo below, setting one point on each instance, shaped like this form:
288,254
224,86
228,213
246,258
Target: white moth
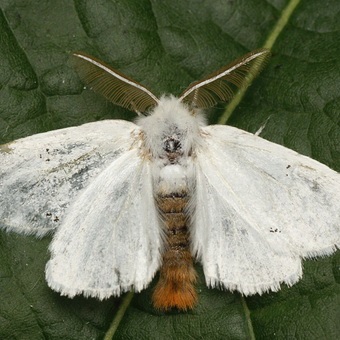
127,200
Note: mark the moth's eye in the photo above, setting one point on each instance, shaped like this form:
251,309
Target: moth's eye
172,145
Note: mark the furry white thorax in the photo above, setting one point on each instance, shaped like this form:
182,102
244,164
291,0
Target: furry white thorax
174,178
172,130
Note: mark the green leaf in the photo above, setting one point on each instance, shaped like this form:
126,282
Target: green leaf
165,45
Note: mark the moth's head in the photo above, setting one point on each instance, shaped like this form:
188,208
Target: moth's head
170,123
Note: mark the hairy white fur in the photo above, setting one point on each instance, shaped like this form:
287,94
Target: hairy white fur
171,117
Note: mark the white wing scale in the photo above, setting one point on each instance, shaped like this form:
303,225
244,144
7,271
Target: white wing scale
110,241
40,175
260,208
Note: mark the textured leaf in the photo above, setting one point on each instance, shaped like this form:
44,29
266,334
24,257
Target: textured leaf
165,45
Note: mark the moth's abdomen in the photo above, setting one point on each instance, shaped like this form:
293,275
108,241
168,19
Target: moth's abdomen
175,287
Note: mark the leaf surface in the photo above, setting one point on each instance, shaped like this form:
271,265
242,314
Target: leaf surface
165,45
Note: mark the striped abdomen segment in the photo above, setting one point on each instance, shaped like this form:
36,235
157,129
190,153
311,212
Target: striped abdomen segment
175,287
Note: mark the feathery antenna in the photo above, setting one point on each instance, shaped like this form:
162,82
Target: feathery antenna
113,85
221,85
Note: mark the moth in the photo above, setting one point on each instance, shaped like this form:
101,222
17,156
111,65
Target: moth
126,200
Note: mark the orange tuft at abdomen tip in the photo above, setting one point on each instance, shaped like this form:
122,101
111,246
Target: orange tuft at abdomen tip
175,289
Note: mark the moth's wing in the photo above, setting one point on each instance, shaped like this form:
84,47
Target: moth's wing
260,208
40,175
110,240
